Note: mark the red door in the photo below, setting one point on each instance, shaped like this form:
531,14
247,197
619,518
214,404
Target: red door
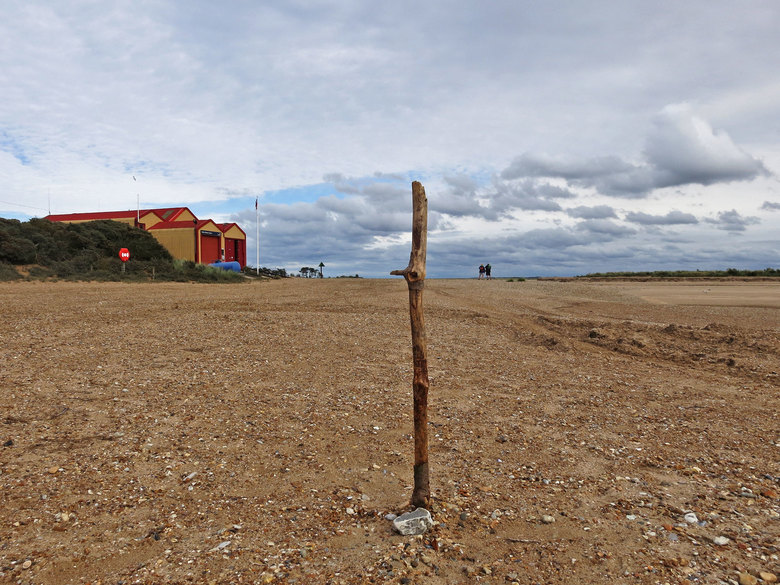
209,248
231,249
241,252
235,250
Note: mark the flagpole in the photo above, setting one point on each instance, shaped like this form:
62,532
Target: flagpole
257,238
138,206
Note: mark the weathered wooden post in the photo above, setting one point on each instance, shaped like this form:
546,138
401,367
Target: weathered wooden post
414,274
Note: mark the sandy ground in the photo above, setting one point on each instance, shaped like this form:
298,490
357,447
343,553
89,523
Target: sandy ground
760,295
260,433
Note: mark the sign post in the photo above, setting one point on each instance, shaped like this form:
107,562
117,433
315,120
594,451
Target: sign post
124,256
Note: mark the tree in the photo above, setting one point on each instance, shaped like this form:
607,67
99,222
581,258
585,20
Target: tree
321,267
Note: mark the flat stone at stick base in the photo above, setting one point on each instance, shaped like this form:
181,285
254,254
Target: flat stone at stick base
413,523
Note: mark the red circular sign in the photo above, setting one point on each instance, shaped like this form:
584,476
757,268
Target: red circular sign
124,254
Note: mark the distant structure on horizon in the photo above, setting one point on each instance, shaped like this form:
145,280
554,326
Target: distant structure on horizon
185,236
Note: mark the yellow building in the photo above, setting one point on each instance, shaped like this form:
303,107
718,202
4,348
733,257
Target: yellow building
185,236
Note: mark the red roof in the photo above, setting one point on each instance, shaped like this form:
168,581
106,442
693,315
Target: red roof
92,216
168,215
187,223
164,213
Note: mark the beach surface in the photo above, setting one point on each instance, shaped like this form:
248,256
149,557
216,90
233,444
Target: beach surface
580,432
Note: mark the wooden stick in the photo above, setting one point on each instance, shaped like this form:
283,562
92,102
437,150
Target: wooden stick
414,274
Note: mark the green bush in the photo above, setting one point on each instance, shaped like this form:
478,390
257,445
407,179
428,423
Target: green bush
40,272
687,273
8,272
267,272
15,248
187,271
89,251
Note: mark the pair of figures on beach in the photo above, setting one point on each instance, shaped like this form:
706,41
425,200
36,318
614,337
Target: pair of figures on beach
484,271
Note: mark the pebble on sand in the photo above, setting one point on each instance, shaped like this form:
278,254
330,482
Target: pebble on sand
747,579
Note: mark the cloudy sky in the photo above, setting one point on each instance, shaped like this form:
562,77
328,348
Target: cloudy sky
553,138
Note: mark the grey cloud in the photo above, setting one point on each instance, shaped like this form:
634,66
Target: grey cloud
296,213
387,223
380,188
732,221
633,183
341,183
526,196
513,248
389,176
549,191
684,149
680,149
387,192
354,215
609,175
771,206
381,204
596,212
534,252
605,227
551,238
340,233
341,230
461,184
459,206
541,165
464,198
671,218
338,204
671,237
460,199
308,233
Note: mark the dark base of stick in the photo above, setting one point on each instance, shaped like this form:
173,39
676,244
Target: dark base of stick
421,496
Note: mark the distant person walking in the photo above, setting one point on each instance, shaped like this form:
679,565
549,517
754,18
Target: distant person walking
488,267
481,272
